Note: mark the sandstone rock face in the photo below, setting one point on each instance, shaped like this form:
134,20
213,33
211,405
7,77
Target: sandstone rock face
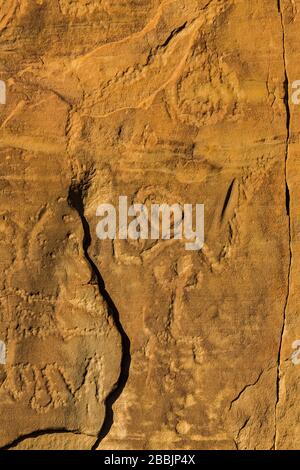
141,344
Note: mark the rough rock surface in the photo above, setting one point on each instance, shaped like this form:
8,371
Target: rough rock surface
141,344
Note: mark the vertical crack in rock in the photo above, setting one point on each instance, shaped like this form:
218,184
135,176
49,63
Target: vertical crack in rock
287,201
76,201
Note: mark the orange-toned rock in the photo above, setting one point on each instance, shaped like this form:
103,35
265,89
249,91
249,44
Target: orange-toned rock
171,101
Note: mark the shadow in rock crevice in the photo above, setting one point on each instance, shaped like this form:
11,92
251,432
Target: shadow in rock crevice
76,201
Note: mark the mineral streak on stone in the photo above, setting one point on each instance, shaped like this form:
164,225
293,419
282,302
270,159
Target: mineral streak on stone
122,344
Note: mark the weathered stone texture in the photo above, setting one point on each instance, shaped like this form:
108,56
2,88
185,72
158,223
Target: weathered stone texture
165,101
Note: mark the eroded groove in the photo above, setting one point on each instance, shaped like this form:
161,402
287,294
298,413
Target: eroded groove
173,34
153,52
287,202
227,198
76,201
